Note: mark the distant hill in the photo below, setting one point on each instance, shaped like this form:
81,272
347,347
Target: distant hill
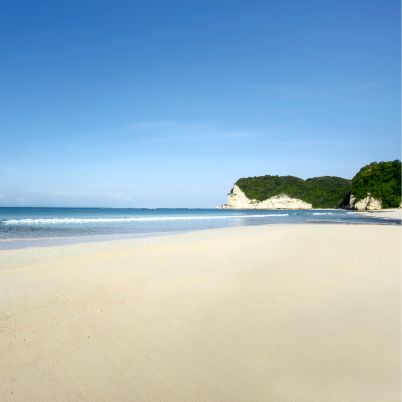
321,192
377,185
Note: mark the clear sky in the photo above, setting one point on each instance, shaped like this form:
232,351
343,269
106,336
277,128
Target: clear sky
168,103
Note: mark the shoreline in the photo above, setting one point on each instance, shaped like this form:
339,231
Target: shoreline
393,217
274,312
391,213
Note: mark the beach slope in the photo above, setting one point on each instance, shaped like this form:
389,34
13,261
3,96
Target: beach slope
265,313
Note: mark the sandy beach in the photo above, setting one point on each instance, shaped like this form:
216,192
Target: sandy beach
265,313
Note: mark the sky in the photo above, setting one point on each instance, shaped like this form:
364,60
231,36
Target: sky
168,103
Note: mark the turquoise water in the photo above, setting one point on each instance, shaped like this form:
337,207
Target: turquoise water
21,227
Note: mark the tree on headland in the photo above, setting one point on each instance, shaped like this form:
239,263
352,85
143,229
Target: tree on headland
321,192
382,180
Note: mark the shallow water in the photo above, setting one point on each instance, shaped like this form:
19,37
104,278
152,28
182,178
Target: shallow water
22,227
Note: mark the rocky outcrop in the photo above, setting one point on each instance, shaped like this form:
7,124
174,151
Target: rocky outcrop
238,200
366,204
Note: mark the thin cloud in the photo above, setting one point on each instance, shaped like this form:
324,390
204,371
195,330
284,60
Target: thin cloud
119,195
360,87
170,130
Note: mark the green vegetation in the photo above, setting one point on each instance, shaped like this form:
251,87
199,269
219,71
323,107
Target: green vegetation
382,180
321,192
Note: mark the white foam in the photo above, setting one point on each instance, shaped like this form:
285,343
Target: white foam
322,213
58,221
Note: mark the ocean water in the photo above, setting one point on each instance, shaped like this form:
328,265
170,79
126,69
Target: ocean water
23,227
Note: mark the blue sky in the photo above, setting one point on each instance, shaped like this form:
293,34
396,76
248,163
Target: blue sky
167,103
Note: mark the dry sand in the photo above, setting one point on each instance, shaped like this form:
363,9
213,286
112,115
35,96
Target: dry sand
269,313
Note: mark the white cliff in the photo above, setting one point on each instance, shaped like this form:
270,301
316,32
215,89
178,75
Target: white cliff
238,200
366,204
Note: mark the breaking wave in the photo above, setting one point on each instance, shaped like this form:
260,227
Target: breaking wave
61,221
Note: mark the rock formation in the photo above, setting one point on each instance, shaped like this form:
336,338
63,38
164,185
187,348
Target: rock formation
238,200
367,203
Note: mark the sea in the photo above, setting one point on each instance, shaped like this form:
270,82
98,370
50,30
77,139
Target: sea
26,227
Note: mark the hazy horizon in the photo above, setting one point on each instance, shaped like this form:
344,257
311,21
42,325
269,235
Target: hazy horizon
168,104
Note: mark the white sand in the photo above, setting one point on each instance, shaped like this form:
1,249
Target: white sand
269,313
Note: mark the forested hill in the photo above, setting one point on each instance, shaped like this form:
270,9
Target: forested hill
380,180
321,192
